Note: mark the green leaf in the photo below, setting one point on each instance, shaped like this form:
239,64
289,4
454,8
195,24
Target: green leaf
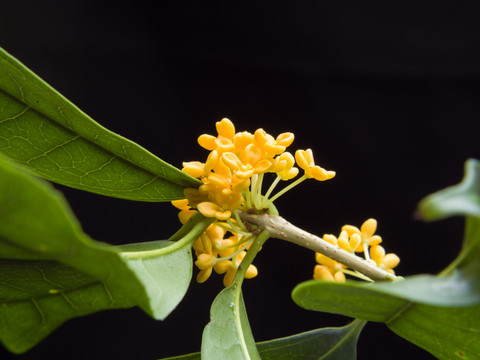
44,131
165,274
322,344
38,296
228,334
36,223
441,330
437,313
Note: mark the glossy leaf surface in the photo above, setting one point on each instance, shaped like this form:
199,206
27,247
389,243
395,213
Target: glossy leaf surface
37,224
44,131
323,344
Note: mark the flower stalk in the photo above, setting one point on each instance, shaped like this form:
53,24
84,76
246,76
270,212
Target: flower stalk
280,228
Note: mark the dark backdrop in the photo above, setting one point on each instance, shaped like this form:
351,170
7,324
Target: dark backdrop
385,93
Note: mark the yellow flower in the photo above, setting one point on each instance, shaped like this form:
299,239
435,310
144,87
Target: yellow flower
198,169
349,243
384,261
207,251
271,146
210,209
224,141
185,211
328,269
305,160
229,268
366,233
283,166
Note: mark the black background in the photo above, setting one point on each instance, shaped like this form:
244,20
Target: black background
387,94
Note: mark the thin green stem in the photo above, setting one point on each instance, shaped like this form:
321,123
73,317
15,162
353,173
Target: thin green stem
238,251
241,241
270,190
238,229
248,198
239,221
356,274
366,252
191,231
248,259
284,190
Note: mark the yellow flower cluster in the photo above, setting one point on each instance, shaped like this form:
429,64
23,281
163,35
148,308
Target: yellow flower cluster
353,239
233,172
214,251
232,179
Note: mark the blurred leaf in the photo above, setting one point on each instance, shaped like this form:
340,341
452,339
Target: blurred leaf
461,199
38,296
36,223
323,344
43,130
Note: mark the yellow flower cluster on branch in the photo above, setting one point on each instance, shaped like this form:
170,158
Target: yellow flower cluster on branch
232,178
353,239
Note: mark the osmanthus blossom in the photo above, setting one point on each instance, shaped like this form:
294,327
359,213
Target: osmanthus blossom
232,177
353,239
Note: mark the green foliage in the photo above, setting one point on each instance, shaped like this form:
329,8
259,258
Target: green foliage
438,313
228,335
36,224
38,296
44,131
323,344
51,271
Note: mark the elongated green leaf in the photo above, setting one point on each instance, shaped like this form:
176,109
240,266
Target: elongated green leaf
323,344
228,334
38,296
443,331
36,223
46,132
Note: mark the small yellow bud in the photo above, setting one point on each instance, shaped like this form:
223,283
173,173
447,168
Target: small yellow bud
322,273
204,275
251,272
194,168
225,128
205,261
332,239
369,227
260,137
